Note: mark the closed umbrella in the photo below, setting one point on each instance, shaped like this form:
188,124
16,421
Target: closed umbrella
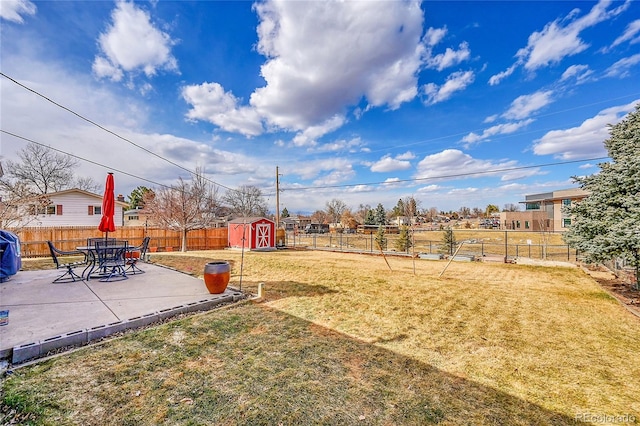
108,208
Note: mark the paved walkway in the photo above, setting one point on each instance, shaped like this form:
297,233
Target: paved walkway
43,315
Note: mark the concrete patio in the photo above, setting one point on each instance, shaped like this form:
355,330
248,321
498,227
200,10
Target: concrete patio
44,317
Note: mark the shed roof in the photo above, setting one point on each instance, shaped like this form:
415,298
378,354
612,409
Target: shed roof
248,219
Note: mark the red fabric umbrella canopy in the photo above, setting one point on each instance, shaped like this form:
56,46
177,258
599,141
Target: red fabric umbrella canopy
108,207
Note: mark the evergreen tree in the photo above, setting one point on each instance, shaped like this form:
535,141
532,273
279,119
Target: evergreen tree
285,213
398,210
381,239
606,224
448,244
403,243
370,219
137,196
381,215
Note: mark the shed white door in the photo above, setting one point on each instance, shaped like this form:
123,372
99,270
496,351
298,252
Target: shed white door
263,235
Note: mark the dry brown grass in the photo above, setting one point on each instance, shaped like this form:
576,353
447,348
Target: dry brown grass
340,339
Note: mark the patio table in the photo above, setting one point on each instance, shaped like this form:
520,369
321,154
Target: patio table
92,259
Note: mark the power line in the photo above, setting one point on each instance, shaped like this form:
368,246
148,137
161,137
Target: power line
83,159
455,175
105,129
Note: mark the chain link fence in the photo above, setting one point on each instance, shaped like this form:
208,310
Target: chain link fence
477,244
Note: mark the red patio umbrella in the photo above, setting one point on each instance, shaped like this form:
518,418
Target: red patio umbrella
108,207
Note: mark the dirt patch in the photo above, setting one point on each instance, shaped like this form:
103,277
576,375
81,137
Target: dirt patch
619,289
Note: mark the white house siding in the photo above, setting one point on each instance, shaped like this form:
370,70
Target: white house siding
75,211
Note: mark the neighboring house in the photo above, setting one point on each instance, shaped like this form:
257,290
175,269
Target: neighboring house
294,222
400,221
252,233
73,207
136,217
544,212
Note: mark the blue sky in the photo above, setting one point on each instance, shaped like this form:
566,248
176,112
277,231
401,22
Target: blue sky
454,103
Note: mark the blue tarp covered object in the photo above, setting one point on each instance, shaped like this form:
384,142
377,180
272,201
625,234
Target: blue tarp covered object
10,261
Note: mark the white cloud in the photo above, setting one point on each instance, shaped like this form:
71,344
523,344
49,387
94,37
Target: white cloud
325,56
433,36
449,58
584,141
309,136
559,39
496,79
314,168
132,44
455,82
621,68
454,164
430,188
211,103
555,42
388,164
335,177
581,73
499,129
525,105
630,34
12,10
351,145
406,156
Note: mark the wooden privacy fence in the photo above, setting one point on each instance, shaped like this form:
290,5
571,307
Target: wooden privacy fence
33,241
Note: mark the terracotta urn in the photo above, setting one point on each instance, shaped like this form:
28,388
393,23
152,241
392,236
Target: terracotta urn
216,276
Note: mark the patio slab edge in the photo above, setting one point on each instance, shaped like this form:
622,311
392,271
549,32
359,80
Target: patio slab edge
33,350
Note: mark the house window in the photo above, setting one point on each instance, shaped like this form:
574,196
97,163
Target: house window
526,224
133,218
566,202
43,210
566,223
517,224
532,206
95,210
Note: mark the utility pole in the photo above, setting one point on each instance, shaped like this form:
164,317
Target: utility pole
277,199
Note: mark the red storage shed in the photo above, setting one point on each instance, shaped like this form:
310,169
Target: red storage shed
259,233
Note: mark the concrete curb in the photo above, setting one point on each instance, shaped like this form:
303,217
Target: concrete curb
30,351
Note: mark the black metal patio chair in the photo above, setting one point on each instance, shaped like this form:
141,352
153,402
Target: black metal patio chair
136,253
111,263
70,275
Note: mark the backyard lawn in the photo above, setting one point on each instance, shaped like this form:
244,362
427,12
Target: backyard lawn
341,339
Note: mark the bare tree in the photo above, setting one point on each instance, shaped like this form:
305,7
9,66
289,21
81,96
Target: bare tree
430,214
184,207
464,212
86,184
18,206
335,208
42,169
24,185
362,212
246,201
348,219
510,207
319,216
